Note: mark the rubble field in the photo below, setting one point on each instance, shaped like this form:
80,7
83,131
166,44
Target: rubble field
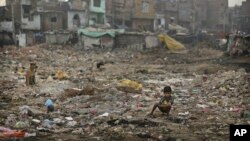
210,92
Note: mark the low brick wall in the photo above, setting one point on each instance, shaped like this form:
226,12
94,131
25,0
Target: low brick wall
130,40
57,38
137,41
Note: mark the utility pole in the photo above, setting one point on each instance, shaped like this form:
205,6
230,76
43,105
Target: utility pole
194,15
13,21
113,12
224,22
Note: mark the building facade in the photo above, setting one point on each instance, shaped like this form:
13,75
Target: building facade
244,17
218,15
143,14
77,15
119,13
97,12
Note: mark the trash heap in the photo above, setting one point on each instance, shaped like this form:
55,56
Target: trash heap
112,102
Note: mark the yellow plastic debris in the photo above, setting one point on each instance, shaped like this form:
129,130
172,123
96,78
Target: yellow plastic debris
170,43
21,72
131,85
61,75
50,78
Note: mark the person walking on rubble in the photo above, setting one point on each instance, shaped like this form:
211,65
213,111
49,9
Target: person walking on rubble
166,102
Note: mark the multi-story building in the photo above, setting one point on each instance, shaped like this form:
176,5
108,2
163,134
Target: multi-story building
185,12
200,14
218,15
134,14
97,12
234,15
244,17
165,10
119,12
77,14
143,14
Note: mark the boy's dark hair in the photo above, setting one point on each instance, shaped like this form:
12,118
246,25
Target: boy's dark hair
167,89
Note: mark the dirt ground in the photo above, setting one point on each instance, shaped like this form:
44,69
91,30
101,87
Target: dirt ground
211,91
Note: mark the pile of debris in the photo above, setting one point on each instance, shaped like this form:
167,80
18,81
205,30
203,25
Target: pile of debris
111,103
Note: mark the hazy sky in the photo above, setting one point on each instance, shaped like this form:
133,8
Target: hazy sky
235,2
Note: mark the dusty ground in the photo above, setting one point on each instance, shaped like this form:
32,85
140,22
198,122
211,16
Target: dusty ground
211,91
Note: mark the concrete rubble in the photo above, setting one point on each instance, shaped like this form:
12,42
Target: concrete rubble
209,94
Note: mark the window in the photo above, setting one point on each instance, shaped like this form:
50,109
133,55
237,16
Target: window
97,3
76,20
53,19
145,6
26,10
159,21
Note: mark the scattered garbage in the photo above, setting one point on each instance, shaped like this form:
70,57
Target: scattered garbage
246,114
129,86
6,133
36,121
104,115
101,105
47,123
237,44
25,111
71,124
11,120
184,116
61,75
21,125
49,105
170,43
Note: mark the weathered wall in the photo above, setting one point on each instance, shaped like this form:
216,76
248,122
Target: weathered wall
121,10
78,4
99,18
245,20
29,38
143,24
162,24
22,40
101,9
217,9
49,25
34,24
57,38
6,26
82,16
144,11
136,41
152,41
26,2
50,38
97,13
107,41
91,43
132,41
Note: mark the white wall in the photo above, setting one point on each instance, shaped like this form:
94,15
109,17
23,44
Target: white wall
35,24
163,22
22,40
2,3
26,2
83,19
6,26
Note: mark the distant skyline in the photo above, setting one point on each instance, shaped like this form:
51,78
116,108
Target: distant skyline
232,3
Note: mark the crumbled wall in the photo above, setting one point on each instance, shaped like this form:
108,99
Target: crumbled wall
58,38
136,41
